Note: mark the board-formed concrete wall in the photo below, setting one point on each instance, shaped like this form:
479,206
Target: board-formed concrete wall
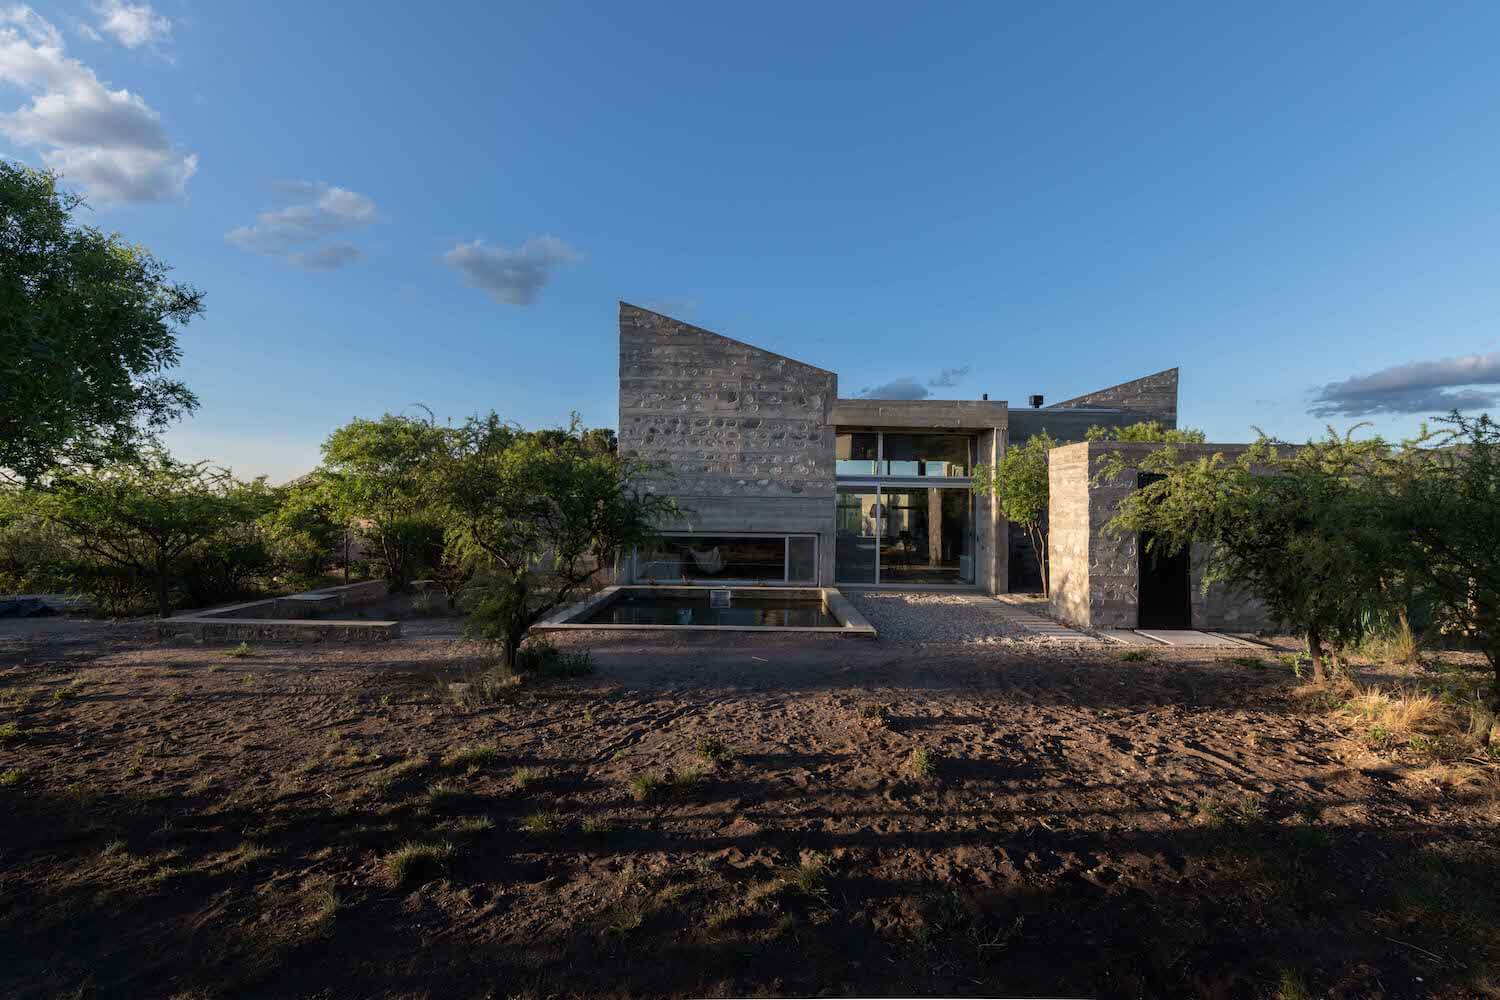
1095,572
1151,397
743,434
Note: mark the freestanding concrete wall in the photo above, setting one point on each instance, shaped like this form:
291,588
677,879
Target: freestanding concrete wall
1095,572
745,433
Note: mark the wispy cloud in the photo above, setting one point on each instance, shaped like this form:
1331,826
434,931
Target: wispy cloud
913,387
321,211
1415,387
510,277
131,24
111,143
948,377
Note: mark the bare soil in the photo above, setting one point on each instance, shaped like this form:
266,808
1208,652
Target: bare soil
177,821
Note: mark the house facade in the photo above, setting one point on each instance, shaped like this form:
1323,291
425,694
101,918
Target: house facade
782,481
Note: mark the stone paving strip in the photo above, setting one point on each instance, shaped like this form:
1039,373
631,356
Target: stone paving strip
938,616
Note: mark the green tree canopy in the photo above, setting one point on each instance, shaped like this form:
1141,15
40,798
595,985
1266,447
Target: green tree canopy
1445,490
1148,431
540,513
144,515
1305,530
1019,485
377,478
87,331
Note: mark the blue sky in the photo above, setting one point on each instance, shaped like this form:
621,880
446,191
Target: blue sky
1275,198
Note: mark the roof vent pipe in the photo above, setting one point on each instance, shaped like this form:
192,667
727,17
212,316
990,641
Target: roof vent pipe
1036,402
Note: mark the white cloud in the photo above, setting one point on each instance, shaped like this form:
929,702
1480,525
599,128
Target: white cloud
133,25
511,277
324,211
111,143
1415,387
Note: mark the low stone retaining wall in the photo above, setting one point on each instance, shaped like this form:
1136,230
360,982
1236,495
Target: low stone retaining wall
280,630
280,619
297,605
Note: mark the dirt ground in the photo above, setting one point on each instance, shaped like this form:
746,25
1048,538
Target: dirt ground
175,820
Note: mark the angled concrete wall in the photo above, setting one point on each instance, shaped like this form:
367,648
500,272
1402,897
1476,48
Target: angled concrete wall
1151,397
744,433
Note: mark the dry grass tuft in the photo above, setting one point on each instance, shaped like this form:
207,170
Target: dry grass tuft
1400,712
472,756
415,863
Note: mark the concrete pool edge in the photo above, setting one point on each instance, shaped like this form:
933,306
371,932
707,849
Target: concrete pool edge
852,624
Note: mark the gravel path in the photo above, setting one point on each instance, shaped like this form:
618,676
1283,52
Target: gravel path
934,616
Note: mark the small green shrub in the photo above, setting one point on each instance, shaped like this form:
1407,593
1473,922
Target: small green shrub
325,907
481,755
542,823
11,778
239,652
876,715
248,679
441,793
1293,986
416,863
923,763
811,878
9,731
715,751
524,777
397,772
597,826
646,786
246,855
1138,655
542,658
1252,662
469,826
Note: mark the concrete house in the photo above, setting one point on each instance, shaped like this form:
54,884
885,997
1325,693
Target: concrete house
781,481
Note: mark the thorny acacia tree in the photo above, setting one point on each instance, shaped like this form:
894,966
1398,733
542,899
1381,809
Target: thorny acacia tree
1305,530
540,513
1445,499
376,477
144,516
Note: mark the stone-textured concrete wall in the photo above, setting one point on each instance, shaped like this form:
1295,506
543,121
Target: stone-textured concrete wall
991,530
1152,397
1068,511
921,414
744,434
1095,572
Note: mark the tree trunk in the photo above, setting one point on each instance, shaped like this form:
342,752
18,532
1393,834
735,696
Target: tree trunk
1315,650
163,594
1039,542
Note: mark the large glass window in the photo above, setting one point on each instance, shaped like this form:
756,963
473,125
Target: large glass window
892,534
927,454
855,453
926,536
695,558
858,524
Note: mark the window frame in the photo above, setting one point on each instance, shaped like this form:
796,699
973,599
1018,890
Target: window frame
786,560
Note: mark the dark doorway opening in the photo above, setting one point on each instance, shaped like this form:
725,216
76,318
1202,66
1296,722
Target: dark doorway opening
1166,599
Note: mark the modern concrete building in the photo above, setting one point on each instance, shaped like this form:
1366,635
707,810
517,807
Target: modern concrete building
1101,579
782,481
